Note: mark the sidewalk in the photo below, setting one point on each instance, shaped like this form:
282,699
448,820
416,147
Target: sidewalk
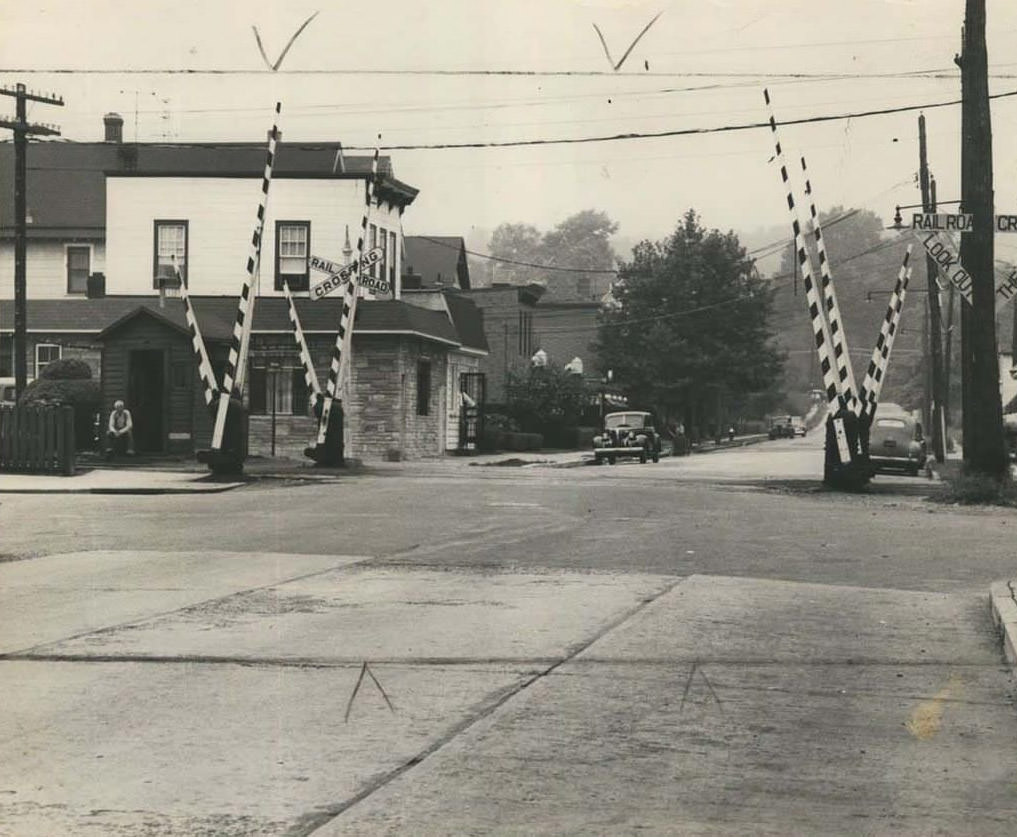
115,481
185,475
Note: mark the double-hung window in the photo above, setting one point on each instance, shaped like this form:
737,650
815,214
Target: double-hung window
45,354
292,248
170,253
79,263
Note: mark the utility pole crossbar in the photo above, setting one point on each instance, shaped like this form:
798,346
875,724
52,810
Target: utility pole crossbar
22,129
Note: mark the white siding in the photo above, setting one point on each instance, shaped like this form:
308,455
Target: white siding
220,213
45,268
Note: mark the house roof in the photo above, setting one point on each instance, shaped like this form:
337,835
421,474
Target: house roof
216,315
440,260
468,320
67,180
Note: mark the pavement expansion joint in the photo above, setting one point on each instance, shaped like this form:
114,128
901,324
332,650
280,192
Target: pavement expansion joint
314,822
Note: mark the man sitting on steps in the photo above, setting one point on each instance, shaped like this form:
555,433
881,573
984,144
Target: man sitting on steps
120,435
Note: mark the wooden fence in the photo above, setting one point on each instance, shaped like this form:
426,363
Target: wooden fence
37,440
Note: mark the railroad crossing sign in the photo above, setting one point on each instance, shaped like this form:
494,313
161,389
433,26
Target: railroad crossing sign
339,275
959,222
953,222
947,259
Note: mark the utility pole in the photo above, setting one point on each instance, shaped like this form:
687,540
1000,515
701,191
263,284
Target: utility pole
934,349
948,348
22,128
984,449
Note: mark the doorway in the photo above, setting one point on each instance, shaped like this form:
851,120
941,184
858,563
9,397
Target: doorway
146,398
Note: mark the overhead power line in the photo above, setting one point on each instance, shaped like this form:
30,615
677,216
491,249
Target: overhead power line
679,132
782,280
522,73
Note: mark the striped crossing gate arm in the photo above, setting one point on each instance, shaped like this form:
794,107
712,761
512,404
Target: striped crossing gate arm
310,376
872,384
233,376
841,353
820,328
339,366
205,371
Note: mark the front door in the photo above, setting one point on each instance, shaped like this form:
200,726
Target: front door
146,399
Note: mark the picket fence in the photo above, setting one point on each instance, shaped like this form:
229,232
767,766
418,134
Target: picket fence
38,440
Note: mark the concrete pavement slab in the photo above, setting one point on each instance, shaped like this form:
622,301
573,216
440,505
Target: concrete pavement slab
621,749
58,596
731,707
737,619
393,614
182,750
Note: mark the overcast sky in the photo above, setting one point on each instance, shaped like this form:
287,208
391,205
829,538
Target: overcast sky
729,49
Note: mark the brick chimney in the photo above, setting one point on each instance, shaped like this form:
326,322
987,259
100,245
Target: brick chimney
114,123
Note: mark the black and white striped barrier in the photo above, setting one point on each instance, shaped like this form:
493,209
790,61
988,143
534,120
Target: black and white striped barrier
831,384
205,371
310,375
236,363
845,466
872,384
340,364
841,354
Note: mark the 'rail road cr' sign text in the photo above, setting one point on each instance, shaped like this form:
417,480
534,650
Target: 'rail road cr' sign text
960,222
340,275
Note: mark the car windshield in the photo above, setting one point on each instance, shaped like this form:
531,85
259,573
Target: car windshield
616,420
896,424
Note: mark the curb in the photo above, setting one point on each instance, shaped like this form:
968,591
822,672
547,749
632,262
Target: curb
122,491
1003,605
745,441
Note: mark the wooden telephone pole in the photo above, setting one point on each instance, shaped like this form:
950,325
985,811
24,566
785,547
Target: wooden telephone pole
935,332
984,449
22,128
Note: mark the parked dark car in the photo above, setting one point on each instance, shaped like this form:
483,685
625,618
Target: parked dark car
896,444
629,434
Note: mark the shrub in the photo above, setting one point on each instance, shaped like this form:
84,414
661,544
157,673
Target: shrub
979,489
66,369
545,399
83,395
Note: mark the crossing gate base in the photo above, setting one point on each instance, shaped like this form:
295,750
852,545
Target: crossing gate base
229,459
853,472
329,454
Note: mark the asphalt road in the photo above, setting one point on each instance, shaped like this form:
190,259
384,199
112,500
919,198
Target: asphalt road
707,645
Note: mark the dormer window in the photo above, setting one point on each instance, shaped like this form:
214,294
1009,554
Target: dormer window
292,248
170,247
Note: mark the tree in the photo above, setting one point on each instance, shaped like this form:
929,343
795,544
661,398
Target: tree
517,243
582,240
691,330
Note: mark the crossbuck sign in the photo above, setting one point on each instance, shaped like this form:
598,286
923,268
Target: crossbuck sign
339,275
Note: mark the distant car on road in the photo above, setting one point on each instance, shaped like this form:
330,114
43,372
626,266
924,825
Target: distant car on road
628,434
786,427
896,443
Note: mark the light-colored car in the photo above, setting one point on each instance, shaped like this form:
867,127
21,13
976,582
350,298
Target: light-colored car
896,443
7,391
